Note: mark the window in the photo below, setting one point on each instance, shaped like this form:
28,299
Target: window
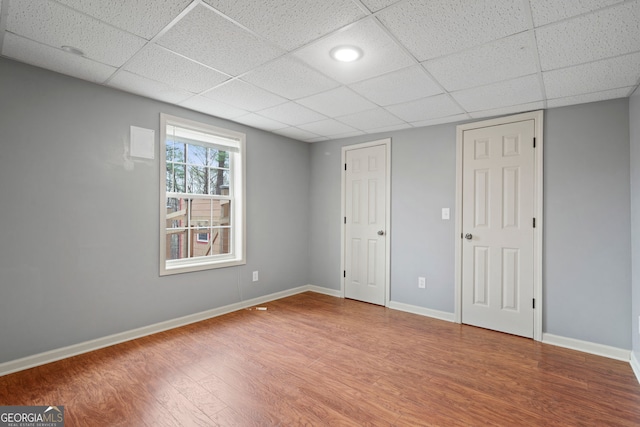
202,190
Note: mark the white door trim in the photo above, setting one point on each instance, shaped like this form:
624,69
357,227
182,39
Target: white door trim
343,210
537,116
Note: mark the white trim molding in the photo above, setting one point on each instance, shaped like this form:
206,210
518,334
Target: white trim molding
325,291
635,365
588,347
538,118
428,312
98,343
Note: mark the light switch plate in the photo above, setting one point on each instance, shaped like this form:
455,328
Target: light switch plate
446,213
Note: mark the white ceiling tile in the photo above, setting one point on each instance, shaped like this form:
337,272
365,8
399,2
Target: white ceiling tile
289,78
134,83
290,23
371,119
381,53
164,66
399,86
590,97
426,108
244,95
348,135
56,25
260,122
401,126
503,59
206,37
611,73
292,114
531,106
337,102
497,95
327,127
57,60
213,108
609,32
432,28
295,133
144,18
547,11
376,5
441,120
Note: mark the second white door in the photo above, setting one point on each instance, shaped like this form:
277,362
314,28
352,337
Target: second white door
365,222
498,227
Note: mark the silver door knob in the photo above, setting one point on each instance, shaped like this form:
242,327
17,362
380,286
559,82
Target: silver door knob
380,233
468,236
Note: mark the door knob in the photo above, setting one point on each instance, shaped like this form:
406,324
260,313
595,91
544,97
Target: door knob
468,236
380,233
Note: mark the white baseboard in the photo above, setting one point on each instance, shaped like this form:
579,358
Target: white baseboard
635,365
96,344
436,314
587,347
326,291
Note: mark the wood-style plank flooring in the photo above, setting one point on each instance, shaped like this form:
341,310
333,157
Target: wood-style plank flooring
316,360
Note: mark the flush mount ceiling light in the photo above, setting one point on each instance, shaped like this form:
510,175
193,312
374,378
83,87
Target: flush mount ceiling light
73,50
346,53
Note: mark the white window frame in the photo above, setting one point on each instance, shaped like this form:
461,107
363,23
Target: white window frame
238,212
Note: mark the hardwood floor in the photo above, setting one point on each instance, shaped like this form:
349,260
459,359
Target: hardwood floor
316,360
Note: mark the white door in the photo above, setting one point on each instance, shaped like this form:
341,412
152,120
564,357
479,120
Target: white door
365,222
498,227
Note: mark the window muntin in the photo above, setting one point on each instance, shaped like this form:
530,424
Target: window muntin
202,192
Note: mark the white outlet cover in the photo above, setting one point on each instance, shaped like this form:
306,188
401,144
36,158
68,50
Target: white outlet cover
446,213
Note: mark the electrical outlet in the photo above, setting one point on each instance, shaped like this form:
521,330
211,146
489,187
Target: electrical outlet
255,276
446,213
422,282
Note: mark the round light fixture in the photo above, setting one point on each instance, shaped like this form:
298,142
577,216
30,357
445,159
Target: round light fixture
346,53
73,50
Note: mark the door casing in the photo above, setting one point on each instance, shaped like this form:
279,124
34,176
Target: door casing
538,117
343,210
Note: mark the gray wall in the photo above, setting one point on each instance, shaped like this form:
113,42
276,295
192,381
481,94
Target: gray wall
587,269
634,122
79,221
586,266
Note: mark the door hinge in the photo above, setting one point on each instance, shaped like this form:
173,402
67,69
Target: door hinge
345,166
344,273
461,236
345,219
534,142
534,223
534,303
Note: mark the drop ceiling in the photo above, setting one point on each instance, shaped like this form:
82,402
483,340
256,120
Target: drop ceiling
266,64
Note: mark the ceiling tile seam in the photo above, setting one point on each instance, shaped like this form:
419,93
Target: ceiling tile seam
52,47
633,88
592,93
417,62
4,13
635,52
234,79
534,40
153,40
391,6
591,12
78,11
362,7
242,27
325,117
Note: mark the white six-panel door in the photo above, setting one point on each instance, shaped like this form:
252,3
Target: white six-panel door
365,224
497,227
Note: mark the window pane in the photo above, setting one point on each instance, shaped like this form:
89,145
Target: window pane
176,212
200,213
202,242
197,155
221,212
218,158
220,241
198,178
175,151
177,178
177,244
219,182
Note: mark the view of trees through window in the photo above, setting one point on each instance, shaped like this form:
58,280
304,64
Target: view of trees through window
198,200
